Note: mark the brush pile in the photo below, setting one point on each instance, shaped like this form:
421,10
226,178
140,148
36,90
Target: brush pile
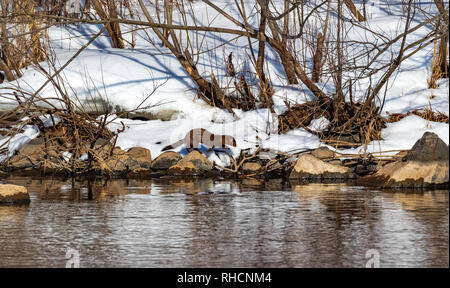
351,124
68,142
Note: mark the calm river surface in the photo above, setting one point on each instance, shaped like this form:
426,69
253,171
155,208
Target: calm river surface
206,223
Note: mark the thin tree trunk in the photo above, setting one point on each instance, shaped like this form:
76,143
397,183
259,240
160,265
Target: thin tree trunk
6,64
318,58
286,21
339,92
37,52
289,68
113,28
440,5
262,42
364,3
338,98
355,12
168,7
442,57
266,89
9,75
318,55
442,63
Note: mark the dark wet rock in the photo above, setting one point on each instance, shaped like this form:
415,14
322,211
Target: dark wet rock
3,174
275,170
310,167
426,165
101,142
34,155
251,168
139,173
362,169
13,194
118,163
185,168
102,147
142,156
428,148
166,160
323,153
29,156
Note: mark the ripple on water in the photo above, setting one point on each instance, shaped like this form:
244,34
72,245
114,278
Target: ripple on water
207,223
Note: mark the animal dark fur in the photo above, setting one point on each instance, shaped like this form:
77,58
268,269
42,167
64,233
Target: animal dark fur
198,136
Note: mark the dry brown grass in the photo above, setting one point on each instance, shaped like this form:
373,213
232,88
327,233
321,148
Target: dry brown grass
426,113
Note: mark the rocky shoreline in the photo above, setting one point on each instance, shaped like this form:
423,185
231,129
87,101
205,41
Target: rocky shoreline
425,166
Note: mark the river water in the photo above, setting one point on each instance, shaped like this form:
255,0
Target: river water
207,223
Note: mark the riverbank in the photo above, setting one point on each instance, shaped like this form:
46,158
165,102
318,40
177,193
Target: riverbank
425,166
107,123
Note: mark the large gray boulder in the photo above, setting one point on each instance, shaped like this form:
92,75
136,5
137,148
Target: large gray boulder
428,148
426,165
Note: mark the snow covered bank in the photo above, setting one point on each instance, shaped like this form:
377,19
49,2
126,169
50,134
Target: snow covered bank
148,134
123,78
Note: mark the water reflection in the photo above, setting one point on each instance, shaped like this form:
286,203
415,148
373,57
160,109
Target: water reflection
204,223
